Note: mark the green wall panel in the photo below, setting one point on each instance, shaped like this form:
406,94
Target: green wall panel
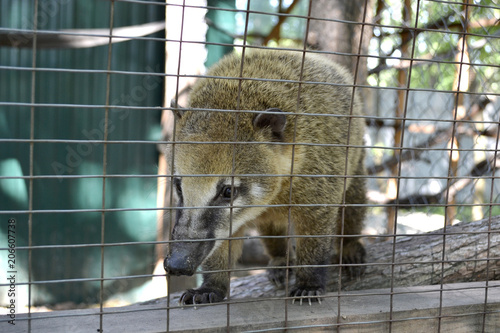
221,31
80,120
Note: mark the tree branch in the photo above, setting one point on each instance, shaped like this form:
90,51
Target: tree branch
78,38
275,32
438,24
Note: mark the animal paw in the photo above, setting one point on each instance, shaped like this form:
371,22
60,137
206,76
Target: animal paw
311,294
201,295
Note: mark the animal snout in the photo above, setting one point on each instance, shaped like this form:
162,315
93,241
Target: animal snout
180,261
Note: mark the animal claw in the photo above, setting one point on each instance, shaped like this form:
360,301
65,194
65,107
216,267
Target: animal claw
181,300
302,294
212,298
200,296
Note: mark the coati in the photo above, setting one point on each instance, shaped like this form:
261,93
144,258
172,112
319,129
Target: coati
283,157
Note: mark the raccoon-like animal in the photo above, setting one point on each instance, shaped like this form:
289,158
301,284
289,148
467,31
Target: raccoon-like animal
294,154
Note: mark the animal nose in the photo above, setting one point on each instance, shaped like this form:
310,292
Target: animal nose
180,262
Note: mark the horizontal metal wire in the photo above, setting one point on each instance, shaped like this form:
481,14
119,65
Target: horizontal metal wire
258,300
380,177
116,311
145,2
335,84
366,117
133,107
81,33
145,307
110,210
357,293
478,5
260,237
157,39
277,14
372,322
330,145
368,56
51,315
291,266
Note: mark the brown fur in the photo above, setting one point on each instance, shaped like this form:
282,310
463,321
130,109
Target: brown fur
324,90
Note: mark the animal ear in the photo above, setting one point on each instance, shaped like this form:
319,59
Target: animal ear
275,122
176,109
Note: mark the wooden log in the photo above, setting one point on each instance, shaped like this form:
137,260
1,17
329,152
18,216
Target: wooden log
471,253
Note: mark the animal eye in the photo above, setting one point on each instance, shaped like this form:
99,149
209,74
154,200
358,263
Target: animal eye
227,191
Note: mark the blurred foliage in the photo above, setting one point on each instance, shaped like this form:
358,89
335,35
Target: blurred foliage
437,46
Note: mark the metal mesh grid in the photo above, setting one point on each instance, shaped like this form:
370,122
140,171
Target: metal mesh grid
432,136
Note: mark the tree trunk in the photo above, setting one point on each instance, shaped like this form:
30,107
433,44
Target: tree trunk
418,260
342,37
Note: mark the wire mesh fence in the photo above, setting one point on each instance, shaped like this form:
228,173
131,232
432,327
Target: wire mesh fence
119,150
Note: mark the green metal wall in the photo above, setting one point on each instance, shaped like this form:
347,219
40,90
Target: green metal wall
71,94
221,31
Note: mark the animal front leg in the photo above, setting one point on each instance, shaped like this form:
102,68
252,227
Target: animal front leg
313,227
276,248
350,222
310,276
215,285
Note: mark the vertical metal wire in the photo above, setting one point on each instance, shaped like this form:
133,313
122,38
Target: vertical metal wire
177,84
400,163
233,166
450,164
348,139
105,161
289,225
31,158
391,191
495,156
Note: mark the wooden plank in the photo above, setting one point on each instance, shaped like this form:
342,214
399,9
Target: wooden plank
414,309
